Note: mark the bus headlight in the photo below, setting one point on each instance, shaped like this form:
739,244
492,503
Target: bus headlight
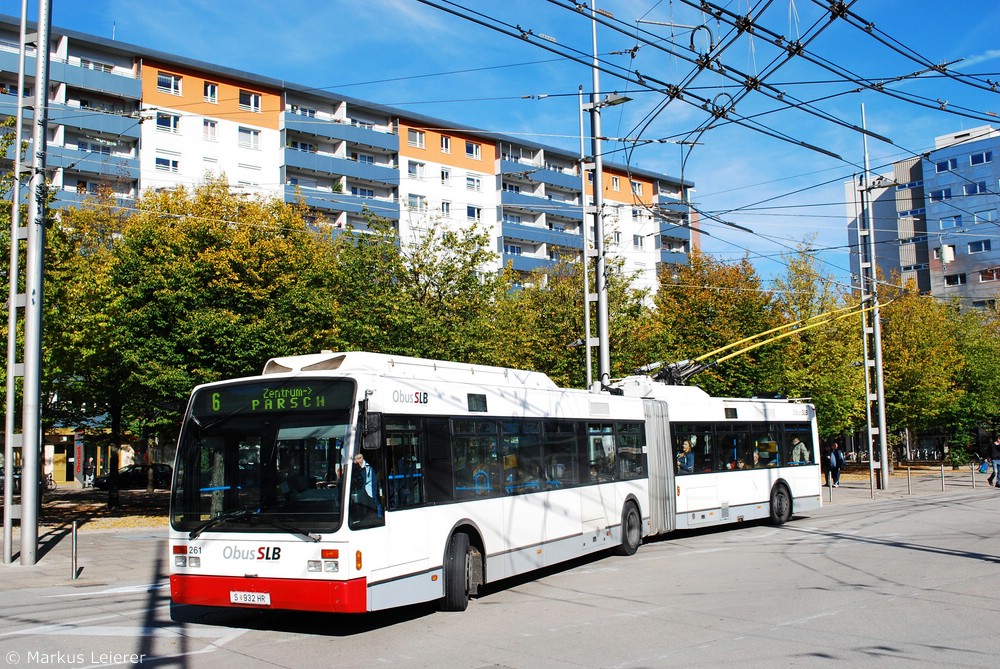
331,565
314,565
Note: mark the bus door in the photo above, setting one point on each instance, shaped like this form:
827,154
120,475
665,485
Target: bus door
597,501
405,490
697,484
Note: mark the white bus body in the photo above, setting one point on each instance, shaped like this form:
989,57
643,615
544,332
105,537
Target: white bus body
479,474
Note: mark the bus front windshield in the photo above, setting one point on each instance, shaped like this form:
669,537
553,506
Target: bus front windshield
263,456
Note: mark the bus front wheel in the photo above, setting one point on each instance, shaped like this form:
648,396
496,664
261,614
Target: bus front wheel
781,504
457,565
631,530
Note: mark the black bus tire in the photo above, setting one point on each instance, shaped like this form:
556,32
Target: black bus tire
631,530
781,504
456,574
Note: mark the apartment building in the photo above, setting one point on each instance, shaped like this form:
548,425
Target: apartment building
944,226
127,119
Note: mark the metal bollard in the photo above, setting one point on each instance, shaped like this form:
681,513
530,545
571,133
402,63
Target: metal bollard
73,560
909,489
942,478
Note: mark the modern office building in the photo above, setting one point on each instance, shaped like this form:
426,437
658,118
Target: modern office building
127,119
945,220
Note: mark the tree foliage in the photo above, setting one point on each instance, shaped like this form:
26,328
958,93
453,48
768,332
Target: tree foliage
706,305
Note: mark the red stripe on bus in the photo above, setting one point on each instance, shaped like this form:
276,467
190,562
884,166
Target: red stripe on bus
286,593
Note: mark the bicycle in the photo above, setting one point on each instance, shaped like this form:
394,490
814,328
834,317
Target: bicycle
50,483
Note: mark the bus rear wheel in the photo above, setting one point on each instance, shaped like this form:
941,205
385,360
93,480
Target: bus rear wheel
457,571
631,530
781,504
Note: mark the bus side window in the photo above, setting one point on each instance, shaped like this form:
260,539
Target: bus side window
405,479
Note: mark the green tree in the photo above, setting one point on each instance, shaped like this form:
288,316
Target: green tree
821,358
922,361
708,304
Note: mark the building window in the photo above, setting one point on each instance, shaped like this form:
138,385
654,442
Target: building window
636,188
946,165
992,274
249,138
250,101
637,241
445,209
167,122
616,183
210,130
417,202
445,144
512,250
168,83
511,218
473,151
363,158
954,280
211,92
414,169
984,304
511,188
989,216
305,147
939,195
951,222
308,112
415,138
88,64
945,253
165,164
474,213
977,188
445,176
473,183
979,247
367,193
981,158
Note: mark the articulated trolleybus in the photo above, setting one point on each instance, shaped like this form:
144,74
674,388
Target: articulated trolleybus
352,482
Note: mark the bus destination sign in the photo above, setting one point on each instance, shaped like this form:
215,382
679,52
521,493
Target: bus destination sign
257,398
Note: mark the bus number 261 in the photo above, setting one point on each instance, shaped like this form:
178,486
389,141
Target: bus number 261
406,397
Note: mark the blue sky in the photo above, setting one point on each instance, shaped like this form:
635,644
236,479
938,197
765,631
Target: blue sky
420,58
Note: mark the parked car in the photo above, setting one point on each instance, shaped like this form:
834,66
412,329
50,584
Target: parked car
136,477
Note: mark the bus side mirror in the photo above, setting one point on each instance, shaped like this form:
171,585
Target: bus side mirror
371,426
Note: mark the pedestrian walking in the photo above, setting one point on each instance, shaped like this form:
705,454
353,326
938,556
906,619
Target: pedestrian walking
994,480
89,469
836,464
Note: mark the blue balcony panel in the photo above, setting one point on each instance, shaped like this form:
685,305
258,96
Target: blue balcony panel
65,199
352,204
94,121
525,263
529,233
546,176
541,204
341,131
114,85
673,257
112,167
323,164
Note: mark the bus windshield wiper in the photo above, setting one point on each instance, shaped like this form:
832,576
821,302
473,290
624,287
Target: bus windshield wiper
288,527
235,514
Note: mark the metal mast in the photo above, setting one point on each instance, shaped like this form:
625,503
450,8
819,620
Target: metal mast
872,329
